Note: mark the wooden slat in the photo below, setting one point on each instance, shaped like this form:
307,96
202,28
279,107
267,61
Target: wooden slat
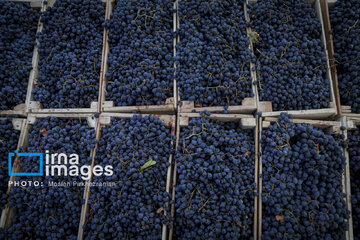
17,110
252,65
315,123
260,126
62,110
248,106
86,195
309,114
175,41
33,3
330,48
165,230
104,57
256,174
105,118
174,176
166,108
346,183
323,40
184,118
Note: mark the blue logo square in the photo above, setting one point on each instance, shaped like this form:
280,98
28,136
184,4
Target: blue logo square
40,155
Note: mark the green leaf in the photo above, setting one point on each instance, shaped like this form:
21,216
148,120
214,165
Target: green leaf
148,164
254,36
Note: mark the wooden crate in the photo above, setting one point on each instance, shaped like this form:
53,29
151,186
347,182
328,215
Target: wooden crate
342,110
20,108
324,113
35,107
248,105
247,122
105,120
109,106
329,127
24,125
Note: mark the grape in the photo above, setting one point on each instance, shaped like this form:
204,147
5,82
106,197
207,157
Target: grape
70,54
48,212
216,186
18,24
133,208
302,183
213,53
8,143
354,157
141,68
291,61
344,17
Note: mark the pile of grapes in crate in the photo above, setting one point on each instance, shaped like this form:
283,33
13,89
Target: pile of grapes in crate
216,184
344,18
302,190
18,24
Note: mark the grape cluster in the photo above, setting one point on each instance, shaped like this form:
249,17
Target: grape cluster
70,54
302,183
291,62
141,68
344,17
48,212
139,150
8,143
216,185
18,24
213,53
354,157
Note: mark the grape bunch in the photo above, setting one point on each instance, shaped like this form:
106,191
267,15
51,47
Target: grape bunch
291,63
141,68
216,186
344,17
213,53
135,207
8,143
302,183
48,212
18,24
70,52
354,157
